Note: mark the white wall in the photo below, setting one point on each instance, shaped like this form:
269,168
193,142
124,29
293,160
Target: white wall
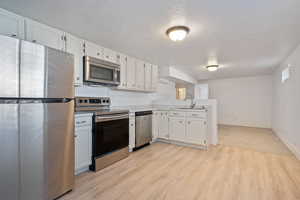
286,103
245,101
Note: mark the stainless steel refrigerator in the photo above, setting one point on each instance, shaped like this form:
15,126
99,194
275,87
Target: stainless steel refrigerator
36,121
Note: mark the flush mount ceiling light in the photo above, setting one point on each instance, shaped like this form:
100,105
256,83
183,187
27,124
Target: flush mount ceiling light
177,33
212,68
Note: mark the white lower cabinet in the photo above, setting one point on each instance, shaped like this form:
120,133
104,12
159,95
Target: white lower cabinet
163,125
185,127
196,130
177,129
83,143
155,120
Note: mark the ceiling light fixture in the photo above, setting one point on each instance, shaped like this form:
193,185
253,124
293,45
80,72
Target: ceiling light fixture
212,68
177,33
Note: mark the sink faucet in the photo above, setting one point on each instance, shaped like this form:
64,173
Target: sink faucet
193,104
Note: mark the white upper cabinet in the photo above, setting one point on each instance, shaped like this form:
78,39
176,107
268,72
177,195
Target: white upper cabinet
131,81
136,75
45,35
110,55
74,46
123,71
140,75
154,77
148,75
94,50
11,25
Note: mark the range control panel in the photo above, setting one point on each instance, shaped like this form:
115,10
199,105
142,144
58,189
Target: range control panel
92,102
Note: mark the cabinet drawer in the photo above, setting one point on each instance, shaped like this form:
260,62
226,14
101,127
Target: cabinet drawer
83,121
202,115
176,114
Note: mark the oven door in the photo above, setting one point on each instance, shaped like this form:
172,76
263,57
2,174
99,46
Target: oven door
111,133
101,71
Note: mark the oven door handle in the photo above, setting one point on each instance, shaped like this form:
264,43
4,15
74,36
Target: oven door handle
111,117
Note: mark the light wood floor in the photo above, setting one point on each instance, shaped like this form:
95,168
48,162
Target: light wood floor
258,139
170,172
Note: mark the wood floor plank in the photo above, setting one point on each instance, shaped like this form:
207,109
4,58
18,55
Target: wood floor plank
170,172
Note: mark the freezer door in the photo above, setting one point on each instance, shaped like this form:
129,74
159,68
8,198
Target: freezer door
9,152
9,67
47,150
45,72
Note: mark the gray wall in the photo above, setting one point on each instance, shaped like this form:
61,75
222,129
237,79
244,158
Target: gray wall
286,103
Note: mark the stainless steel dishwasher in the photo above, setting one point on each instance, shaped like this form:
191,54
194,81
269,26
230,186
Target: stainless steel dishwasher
143,128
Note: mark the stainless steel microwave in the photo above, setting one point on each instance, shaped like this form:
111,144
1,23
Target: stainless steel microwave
97,71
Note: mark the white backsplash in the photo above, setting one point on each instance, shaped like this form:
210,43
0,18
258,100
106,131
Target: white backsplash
118,98
165,95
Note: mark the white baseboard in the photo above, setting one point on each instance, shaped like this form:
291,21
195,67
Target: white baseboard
291,147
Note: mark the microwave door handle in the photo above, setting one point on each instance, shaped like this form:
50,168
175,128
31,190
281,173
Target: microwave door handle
111,118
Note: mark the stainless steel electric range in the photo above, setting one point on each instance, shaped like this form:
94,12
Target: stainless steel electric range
110,131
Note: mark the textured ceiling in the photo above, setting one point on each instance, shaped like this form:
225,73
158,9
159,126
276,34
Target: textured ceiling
246,37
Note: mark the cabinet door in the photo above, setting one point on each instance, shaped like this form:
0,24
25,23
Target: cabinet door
131,82
177,129
45,35
83,147
163,126
11,25
110,55
74,46
140,75
123,71
154,77
93,50
155,120
148,75
196,131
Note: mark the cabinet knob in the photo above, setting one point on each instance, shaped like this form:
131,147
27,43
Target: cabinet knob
75,136
34,41
77,78
13,35
98,54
